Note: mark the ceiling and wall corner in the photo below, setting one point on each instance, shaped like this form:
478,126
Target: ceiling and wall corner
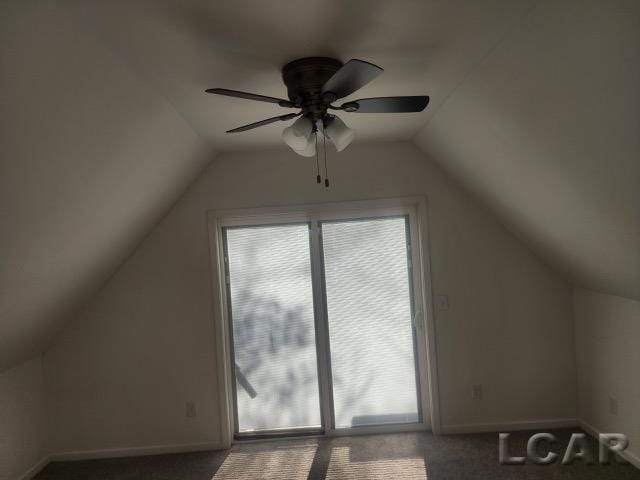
533,108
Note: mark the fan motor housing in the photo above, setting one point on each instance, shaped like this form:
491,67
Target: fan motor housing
305,78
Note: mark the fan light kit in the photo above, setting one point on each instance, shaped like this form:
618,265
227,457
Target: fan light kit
313,85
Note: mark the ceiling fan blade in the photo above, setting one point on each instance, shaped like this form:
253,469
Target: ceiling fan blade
267,121
389,104
352,76
250,96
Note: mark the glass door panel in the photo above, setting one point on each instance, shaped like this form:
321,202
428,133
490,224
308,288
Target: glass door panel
272,319
369,311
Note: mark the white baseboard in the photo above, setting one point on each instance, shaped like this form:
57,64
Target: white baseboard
628,455
117,452
135,451
33,471
510,426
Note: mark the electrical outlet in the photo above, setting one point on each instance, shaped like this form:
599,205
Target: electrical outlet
613,405
190,409
477,392
443,301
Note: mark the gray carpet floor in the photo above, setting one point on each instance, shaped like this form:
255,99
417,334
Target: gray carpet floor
411,456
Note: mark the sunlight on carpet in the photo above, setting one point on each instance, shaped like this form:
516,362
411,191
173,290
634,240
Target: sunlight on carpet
286,463
341,467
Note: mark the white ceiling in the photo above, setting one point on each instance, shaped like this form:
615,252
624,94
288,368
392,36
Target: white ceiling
184,47
534,107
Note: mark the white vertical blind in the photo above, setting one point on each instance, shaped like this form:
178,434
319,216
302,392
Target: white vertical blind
273,327
370,324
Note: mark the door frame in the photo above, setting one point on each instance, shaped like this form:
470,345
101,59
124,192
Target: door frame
416,208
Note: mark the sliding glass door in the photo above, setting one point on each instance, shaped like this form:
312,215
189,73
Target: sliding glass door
369,311
321,316
274,347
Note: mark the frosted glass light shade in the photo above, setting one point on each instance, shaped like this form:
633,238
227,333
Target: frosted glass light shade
340,134
310,148
297,134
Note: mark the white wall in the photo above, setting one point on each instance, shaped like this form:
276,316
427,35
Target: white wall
607,333
23,435
121,373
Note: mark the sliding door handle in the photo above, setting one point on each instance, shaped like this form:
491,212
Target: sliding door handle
418,320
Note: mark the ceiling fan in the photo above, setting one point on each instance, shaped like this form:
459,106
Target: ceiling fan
313,85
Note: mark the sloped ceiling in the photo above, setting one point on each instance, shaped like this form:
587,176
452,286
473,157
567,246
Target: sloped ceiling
534,103
90,159
534,107
546,131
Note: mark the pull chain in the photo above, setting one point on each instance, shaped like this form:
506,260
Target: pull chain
318,178
324,149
